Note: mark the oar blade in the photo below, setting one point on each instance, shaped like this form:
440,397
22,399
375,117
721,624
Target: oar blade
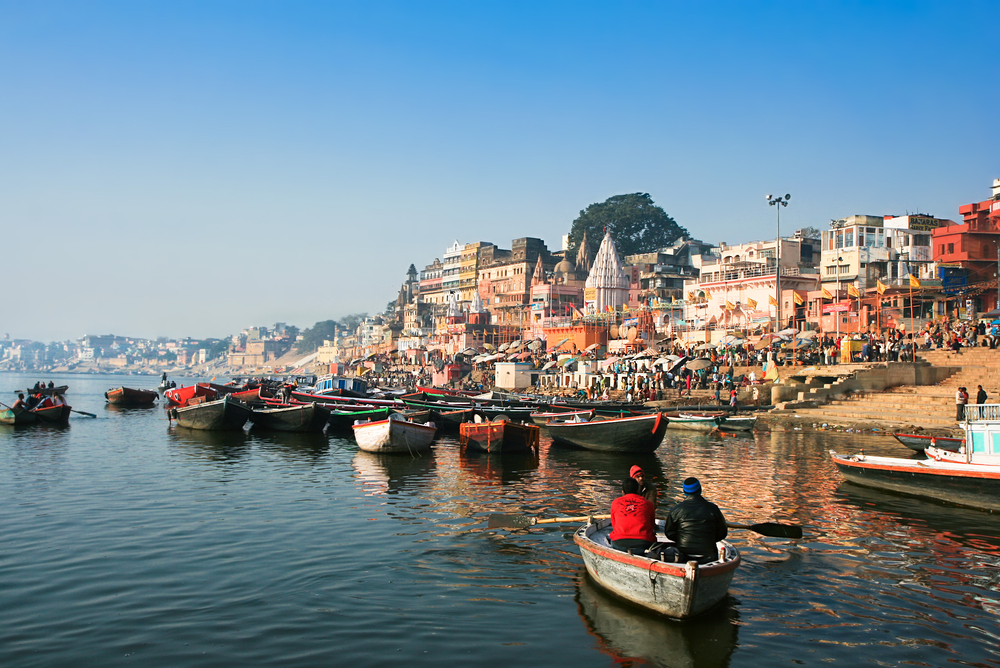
499,520
775,530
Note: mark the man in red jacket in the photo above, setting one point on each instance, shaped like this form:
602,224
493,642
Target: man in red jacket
633,519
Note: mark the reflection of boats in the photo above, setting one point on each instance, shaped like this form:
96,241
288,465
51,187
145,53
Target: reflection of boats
627,633
127,396
676,590
511,467
918,442
640,433
969,477
499,436
16,416
299,418
380,473
222,446
694,422
225,414
395,434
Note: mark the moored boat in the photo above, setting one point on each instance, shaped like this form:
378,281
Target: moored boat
542,418
738,423
676,590
225,414
919,442
639,433
301,418
182,396
694,422
969,477
127,396
395,434
499,436
17,416
343,420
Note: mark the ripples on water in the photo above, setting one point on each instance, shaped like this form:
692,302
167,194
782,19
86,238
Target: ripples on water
126,541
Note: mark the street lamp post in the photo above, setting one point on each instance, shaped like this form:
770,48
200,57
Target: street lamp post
840,259
778,202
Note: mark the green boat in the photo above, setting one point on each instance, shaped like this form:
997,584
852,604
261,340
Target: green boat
344,420
16,416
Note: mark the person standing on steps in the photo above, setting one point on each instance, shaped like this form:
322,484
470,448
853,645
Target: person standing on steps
961,398
981,396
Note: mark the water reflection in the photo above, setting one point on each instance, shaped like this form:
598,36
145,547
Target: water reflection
214,446
381,474
627,633
297,447
510,467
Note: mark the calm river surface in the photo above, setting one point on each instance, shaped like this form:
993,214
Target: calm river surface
124,540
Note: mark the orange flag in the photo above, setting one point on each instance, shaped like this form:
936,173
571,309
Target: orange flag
914,281
798,299
853,291
771,300
880,286
827,294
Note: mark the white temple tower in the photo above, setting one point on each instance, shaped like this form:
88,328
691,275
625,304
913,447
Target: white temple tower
607,285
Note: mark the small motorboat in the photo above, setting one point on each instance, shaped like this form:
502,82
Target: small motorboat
225,414
678,590
395,434
127,396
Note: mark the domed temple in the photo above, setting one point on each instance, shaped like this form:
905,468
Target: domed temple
607,285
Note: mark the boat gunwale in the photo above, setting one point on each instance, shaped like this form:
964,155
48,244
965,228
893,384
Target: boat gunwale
941,468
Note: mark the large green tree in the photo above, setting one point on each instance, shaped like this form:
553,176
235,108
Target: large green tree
636,224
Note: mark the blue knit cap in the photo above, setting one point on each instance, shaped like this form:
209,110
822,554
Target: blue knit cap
691,486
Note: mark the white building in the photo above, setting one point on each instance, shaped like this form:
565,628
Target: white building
607,285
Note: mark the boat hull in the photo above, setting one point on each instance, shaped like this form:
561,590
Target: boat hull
738,423
308,418
694,423
182,396
341,420
53,414
226,414
127,396
394,435
676,590
919,442
499,437
642,433
971,485
17,417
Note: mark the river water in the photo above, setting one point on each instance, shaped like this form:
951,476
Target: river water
127,541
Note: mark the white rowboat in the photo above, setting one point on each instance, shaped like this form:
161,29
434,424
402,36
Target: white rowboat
397,434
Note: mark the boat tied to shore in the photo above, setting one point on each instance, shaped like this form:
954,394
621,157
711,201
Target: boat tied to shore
396,434
638,433
128,396
499,436
225,414
968,477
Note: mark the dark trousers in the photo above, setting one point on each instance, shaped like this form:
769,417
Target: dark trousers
632,545
959,412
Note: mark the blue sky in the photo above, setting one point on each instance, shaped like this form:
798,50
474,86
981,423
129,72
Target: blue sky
192,168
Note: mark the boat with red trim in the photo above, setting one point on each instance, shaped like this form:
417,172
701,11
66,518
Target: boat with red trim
678,590
395,434
969,477
183,396
128,396
542,418
919,442
499,436
17,416
225,414
638,433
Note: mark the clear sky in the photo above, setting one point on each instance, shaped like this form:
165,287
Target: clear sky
193,168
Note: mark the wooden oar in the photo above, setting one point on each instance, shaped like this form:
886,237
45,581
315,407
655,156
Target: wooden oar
73,410
772,529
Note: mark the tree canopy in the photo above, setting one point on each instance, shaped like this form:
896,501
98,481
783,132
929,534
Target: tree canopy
636,224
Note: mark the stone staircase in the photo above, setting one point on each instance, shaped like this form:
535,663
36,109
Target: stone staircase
927,406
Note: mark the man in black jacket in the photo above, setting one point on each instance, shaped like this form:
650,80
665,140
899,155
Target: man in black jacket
695,525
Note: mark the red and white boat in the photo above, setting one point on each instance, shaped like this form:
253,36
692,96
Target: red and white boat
396,434
184,396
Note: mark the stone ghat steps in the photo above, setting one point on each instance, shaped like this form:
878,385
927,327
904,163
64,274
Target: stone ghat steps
967,357
858,414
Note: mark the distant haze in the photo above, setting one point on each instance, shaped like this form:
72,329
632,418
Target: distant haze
190,169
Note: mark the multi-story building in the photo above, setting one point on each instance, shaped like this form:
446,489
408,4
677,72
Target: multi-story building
451,269
505,277
431,291
468,276
968,253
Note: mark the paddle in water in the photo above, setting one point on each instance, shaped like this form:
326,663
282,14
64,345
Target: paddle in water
499,520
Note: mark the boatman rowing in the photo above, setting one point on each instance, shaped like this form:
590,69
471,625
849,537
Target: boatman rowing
695,524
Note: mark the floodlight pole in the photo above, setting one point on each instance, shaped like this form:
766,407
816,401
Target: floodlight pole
839,260
778,202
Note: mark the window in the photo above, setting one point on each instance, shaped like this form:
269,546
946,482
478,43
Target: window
951,248
849,238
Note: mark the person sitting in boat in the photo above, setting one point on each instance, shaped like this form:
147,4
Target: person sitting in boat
647,490
32,401
695,525
19,404
633,520
51,385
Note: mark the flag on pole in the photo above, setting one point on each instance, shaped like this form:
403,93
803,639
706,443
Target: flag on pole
690,296
772,301
730,306
752,303
853,291
708,295
880,286
914,281
798,299
827,294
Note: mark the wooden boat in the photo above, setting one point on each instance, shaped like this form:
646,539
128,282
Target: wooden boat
343,420
225,414
499,436
17,416
919,441
301,418
694,422
969,477
738,423
127,396
182,396
256,395
676,590
451,420
415,414
542,418
47,391
395,434
640,433
57,413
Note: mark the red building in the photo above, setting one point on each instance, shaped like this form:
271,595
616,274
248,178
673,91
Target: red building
973,246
